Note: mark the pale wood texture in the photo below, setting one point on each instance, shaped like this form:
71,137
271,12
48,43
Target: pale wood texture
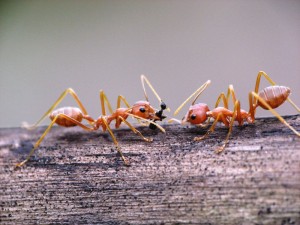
76,177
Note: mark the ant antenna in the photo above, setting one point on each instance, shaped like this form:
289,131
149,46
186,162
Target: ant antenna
197,93
163,105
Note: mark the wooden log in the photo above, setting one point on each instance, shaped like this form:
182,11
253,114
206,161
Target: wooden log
76,177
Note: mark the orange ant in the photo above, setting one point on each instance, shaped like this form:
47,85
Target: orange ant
73,116
269,98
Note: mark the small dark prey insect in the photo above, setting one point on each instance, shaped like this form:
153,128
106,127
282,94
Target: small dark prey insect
269,98
73,116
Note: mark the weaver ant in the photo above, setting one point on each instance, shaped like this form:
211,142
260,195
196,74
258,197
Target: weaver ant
73,116
269,98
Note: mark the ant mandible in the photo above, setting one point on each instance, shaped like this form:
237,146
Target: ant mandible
269,98
73,116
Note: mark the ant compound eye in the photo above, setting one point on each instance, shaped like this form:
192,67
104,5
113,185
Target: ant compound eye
142,110
193,116
163,106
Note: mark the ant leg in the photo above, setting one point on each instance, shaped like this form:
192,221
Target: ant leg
236,113
222,97
225,101
122,98
36,145
231,92
148,121
252,108
62,96
197,93
252,100
135,130
174,120
262,73
103,100
258,98
126,162
211,129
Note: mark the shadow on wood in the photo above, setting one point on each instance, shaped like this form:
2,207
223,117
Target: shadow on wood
76,177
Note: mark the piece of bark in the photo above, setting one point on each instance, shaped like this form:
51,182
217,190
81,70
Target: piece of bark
76,177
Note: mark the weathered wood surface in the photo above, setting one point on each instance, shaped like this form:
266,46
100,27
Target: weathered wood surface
77,178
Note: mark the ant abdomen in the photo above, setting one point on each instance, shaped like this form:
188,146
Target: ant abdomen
72,112
274,96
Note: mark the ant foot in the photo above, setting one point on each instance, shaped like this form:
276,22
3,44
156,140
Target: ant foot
220,149
148,139
199,138
18,165
126,162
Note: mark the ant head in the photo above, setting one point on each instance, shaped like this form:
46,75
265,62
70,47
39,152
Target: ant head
196,114
145,110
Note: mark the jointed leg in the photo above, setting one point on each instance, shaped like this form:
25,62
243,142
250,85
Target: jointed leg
262,73
126,162
231,92
222,97
235,114
135,130
211,129
62,96
148,121
122,98
36,145
104,100
236,104
258,98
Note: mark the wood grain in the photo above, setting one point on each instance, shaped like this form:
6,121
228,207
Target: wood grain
76,177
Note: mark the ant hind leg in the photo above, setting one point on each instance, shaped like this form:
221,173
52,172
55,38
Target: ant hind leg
258,98
268,78
36,145
61,97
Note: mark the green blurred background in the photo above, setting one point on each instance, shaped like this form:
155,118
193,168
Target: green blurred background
48,46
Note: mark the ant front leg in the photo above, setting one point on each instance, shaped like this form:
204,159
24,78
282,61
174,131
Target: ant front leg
236,113
211,129
126,162
61,97
135,130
